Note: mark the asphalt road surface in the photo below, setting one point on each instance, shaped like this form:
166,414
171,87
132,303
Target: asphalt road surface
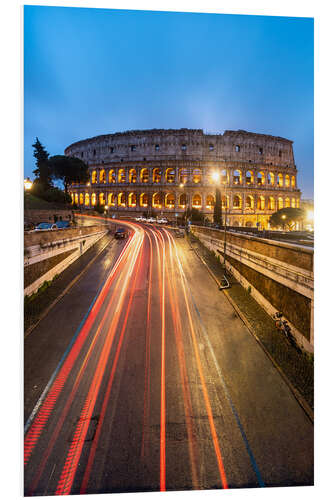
143,378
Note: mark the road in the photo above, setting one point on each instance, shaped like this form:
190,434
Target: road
143,378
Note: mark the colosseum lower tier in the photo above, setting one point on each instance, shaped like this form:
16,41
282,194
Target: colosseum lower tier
167,171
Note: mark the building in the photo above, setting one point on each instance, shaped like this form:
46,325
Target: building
168,171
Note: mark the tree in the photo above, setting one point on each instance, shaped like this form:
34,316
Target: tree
42,172
68,169
217,217
287,217
193,214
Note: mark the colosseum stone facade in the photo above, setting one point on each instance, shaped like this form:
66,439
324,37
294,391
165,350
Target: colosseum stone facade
167,171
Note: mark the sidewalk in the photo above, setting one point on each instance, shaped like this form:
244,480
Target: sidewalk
34,309
296,366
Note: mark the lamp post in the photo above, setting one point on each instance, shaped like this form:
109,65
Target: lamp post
27,184
283,218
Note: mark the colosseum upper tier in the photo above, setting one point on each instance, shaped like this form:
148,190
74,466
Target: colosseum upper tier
168,171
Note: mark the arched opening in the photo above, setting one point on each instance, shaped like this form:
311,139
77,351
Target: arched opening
157,200
196,201
144,176
235,223
293,203
157,175
170,175
280,180
112,177
287,181
225,201
93,199
237,201
121,175
287,203
182,200
101,199
87,199
270,179
249,202
132,200
210,201
224,177
248,223
183,176
271,203
261,203
280,203
249,177
143,200
293,181
93,177
197,175
261,178
132,176
111,200
121,200
170,200
76,198
102,177
297,203
237,177
81,198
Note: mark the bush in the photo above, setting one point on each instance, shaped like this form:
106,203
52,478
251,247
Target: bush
53,194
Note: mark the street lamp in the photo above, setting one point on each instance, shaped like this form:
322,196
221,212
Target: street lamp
27,184
283,217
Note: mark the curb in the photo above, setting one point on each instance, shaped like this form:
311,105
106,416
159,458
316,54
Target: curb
300,399
68,287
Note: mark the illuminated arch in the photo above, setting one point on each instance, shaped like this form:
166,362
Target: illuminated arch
197,201
287,181
170,200
143,199
170,175
121,176
81,198
132,176
210,201
224,177
249,177
121,200
76,198
270,179
87,199
197,175
111,200
93,199
261,203
182,200
101,199
157,175
271,203
280,203
280,180
287,202
183,176
102,177
93,177
237,201
237,177
249,202
144,175
132,200
157,200
112,176
293,181
293,203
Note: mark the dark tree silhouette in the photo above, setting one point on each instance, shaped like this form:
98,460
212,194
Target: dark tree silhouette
68,169
43,171
218,208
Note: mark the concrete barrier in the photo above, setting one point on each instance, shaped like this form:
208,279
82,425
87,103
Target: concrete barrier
279,275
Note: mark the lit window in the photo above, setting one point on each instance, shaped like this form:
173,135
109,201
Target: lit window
184,147
111,149
133,148
260,151
211,147
157,147
237,148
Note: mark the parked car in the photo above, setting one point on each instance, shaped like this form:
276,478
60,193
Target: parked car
151,219
62,224
162,221
44,226
120,233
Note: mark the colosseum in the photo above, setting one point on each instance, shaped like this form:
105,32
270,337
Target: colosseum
164,172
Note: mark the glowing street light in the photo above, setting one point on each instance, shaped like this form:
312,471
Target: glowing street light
309,215
215,176
27,184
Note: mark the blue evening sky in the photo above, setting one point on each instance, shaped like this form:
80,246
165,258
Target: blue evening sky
97,71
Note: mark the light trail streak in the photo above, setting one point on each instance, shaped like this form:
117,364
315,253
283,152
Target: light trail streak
146,398
109,386
46,407
202,378
162,437
182,368
74,453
